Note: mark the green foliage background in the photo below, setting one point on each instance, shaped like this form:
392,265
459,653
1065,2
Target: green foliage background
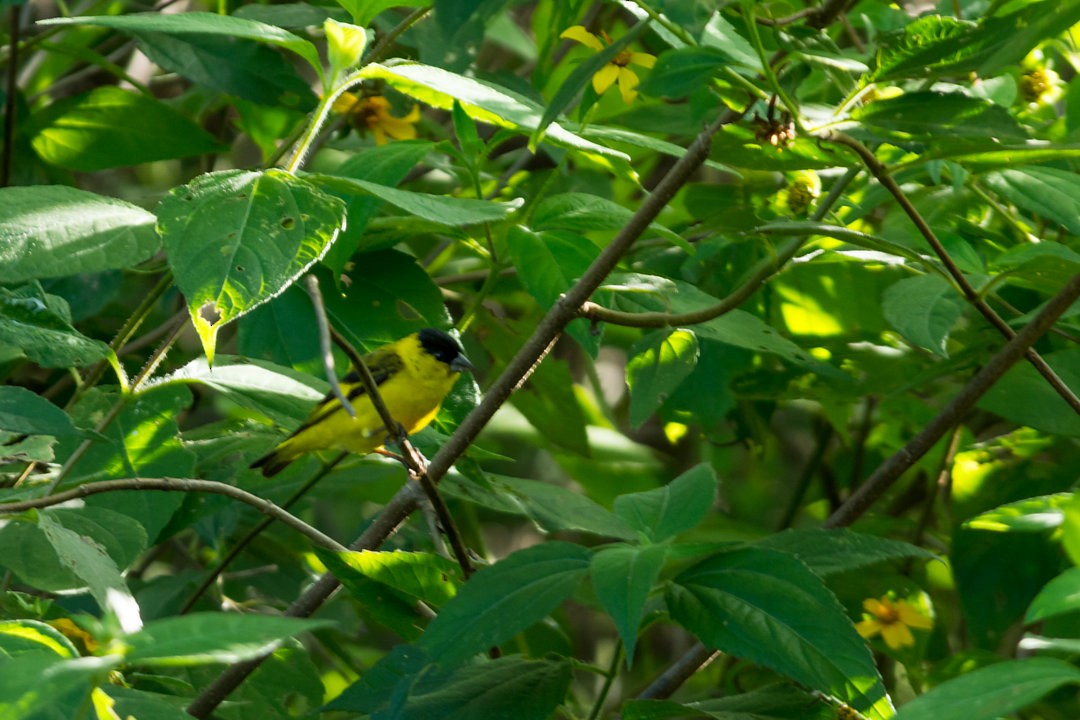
810,232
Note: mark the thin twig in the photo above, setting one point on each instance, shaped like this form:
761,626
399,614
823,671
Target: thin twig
883,176
176,485
325,346
762,271
682,670
889,471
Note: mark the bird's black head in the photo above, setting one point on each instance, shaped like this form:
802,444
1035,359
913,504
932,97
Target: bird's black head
444,348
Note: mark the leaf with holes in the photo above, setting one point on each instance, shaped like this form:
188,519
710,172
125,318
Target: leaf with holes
237,238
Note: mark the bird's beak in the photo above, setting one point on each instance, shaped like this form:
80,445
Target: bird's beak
461,364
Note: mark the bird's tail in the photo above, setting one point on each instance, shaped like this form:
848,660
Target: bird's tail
274,461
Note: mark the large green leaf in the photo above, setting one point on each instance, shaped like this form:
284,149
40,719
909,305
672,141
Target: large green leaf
39,325
771,609
53,231
938,115
623,577
1044,191
236,238
658,364
484,102
199,23
401,686
1023,396
241,68
1061,595
108,127
552,507
835,551
503,599
679,73
923,309
937,45
991,692
211,638
22,411
673,508
282,394
449,211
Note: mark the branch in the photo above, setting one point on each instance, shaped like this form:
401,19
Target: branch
889,471
881,173
176,485
762,271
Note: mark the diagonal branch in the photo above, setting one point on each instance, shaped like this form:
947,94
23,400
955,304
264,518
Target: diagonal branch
883,176
889,471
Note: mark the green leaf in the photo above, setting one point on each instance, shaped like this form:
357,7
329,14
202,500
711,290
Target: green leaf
202,638
1038,267
835,551
580,212
682,72
385,165
381,603
109,127
40,326
22,411
673,508
658,364
1035,514
32,683
484,102
199,23
89,547
769,608
503,599
923,309
548,264
509,686
280,393
424,576
720,34
231,66
991,692
552,507
236,238
1023,396
448,211
364,11
31,636
1047,192
53,231
505,687
1061,595
772,702
932,114
623,577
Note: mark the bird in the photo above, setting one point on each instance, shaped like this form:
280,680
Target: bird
413,375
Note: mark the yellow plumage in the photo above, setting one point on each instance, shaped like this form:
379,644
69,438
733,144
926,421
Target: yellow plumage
413,374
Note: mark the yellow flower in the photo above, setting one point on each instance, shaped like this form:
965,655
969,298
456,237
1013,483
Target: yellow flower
893,620
616,71
372,114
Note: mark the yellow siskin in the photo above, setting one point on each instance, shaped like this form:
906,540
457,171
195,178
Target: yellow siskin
413,374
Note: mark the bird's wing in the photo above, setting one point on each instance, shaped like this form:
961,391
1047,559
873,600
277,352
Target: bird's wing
383,363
